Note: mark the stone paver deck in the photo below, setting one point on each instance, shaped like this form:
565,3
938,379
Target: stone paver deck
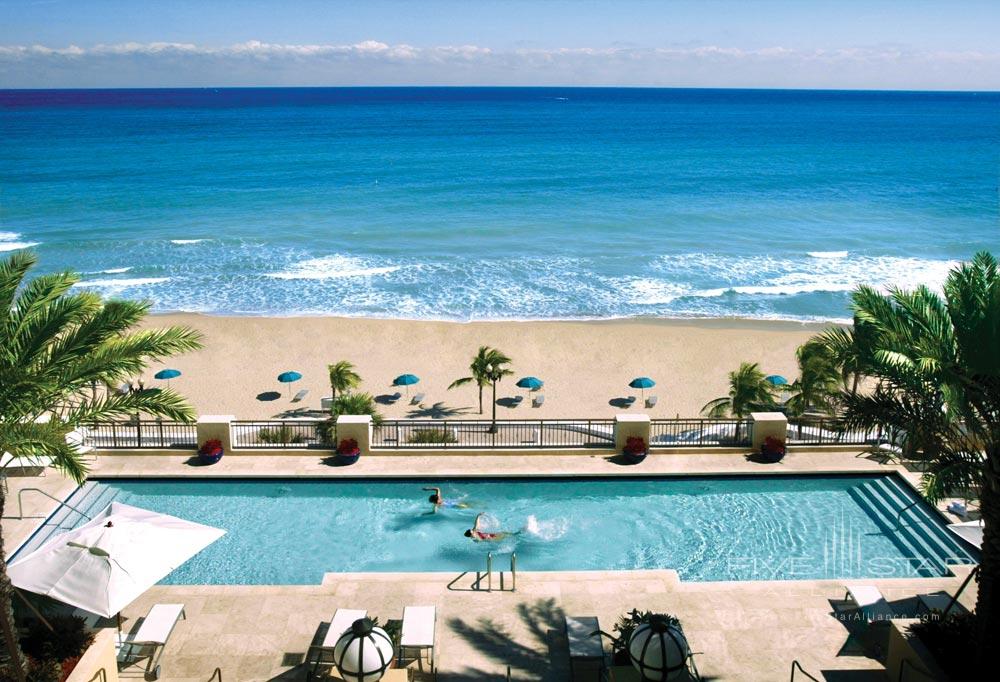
745,630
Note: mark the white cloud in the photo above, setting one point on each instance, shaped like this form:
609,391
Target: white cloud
372,62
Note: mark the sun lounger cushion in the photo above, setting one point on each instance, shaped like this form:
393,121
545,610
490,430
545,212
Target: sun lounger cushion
9,460
158,624
870,602
341,621
418,626
582,642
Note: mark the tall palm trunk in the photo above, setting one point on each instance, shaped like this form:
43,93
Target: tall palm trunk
988,599
15,667
493,425
480,398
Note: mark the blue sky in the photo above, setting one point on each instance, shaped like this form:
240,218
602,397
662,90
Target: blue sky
713,43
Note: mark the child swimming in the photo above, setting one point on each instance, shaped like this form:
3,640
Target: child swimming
478,535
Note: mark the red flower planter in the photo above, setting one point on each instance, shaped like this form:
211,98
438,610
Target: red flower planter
348,451
635,449
211,451
772,450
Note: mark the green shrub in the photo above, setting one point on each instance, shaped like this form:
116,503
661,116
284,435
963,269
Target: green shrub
68,638
326,432
281,435
432,435
46,670
952,642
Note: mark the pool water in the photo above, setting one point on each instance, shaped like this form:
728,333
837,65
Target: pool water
722,528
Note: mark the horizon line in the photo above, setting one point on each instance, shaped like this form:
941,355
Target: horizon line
496,87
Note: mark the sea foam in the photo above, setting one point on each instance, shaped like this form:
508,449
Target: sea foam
9,241
333,267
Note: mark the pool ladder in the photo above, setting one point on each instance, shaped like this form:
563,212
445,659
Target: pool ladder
489,575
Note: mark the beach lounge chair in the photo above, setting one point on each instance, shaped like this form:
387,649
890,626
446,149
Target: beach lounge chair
630,400
651,401
300,395
395,396
339,624
419,624
417,397
870,602
326,403
938,601
517,400
586,652
538,400
152,636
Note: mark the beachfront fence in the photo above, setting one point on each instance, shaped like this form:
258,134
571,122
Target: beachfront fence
831,431
483,434
140,433
284,433
508,433
672,433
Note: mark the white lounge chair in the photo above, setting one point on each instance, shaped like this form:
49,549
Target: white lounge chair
326,403
586,652
870,602
341,621
417,397
419,625
538,400
153,634
651,401
300,395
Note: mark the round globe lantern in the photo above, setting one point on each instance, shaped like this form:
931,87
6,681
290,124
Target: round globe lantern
363,653
659,650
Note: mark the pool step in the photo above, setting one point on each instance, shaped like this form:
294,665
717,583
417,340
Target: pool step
922,561
926,523
921,536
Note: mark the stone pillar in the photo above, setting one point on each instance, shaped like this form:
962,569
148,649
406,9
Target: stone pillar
216,426
358,427
630,425
764,424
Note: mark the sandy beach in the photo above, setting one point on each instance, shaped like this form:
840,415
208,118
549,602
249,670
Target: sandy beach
586,366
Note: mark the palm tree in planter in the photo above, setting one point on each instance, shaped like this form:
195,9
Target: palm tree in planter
342,378
748,391
938,371
56,346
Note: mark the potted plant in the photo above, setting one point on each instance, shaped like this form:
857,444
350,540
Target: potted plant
348,451
772,449
635,449
626,626
210,451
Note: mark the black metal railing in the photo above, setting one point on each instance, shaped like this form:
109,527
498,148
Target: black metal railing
142,433
672,433
284,433
485,434
829,431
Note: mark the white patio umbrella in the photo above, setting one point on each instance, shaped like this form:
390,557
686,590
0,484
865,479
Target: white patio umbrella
105,564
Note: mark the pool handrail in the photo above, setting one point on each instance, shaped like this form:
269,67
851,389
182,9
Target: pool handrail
62,503
796,664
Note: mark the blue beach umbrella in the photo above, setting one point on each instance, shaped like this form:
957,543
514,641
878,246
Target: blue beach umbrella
531,383
642,383
289,377
406,380
167,374
776,380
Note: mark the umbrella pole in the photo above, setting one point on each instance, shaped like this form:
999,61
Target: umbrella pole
34,610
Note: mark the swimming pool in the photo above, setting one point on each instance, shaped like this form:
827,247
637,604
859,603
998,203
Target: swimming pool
706,528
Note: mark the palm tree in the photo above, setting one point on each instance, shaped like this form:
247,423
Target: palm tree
938,371
488,367
478,371
850,347
342,378
748,391
356,403
56,347
819,382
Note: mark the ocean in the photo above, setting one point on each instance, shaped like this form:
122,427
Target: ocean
499,203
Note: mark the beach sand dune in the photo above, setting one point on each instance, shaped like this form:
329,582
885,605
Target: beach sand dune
586,366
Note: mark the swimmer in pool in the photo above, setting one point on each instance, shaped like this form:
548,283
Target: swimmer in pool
482,536
440,502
